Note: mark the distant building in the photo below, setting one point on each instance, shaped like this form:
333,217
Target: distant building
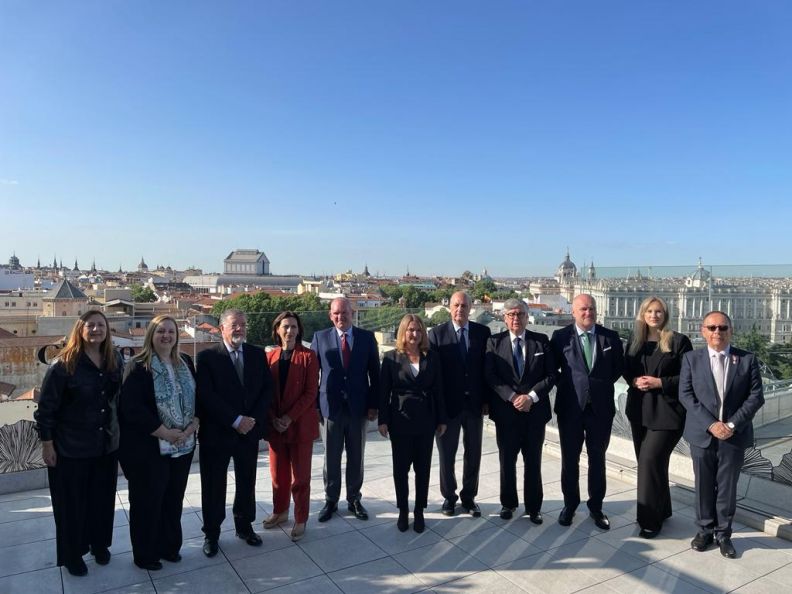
246,262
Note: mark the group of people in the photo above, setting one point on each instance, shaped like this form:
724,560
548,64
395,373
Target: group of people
96,411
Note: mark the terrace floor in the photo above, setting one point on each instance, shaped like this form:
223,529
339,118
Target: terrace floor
455,555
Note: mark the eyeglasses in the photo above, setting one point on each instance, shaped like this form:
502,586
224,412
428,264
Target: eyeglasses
713,328
515,314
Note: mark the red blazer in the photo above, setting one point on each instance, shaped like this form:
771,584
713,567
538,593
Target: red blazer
298,397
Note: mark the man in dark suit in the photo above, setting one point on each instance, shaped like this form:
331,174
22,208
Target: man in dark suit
721,389
234,390
348,399
590,359
520,371
461,345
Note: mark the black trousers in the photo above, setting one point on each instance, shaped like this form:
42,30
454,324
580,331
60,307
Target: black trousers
717,470
653,450
83,494
156,497
415,451
471,426
513,439
573,432
214,472
346,433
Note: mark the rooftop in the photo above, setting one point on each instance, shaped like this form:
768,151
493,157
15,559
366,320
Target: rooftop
454,555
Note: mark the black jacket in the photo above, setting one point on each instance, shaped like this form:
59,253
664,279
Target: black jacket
78,412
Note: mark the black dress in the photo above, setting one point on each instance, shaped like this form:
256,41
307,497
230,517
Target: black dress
77,413
412,406
657,419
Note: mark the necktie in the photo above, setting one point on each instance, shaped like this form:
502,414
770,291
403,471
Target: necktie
238,366
588,352
346,353
517,355
462,343
719,372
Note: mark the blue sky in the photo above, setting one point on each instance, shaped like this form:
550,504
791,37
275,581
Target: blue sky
437,136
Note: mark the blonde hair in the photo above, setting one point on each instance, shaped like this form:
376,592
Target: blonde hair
641,330
147,353
402,331
75,345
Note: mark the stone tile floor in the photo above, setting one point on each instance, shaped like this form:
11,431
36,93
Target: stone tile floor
454,555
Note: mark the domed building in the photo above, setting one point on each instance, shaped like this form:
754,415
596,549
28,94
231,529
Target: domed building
566,270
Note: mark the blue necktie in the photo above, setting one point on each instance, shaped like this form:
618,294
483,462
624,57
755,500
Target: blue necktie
517,355
462,343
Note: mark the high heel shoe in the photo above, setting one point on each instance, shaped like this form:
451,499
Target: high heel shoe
418,522
403,520
275,519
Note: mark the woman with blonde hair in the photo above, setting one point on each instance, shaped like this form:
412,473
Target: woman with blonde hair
411,412
158,425
78,425
295,373
657,418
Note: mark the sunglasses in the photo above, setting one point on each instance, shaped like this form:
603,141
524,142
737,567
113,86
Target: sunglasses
713,328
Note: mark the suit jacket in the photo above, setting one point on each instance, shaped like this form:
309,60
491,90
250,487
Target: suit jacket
297,398
743,396
138,415
463,379
411,405
538,376
575,384
360,383
221,398
657,409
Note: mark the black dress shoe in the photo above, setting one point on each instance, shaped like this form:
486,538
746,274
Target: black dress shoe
171,557
506,513
701,541
210,547
357,508
250,537
536,518
102,555
601,521
149,565
403,522
77,568
644,533
472,508
565,517
418,523
327,511
448,507
727,548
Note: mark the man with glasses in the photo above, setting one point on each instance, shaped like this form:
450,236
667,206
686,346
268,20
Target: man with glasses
519,369
590,360
721,389
233,394
461,345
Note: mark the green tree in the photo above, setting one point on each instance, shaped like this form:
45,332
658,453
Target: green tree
142,294
484,287
441,316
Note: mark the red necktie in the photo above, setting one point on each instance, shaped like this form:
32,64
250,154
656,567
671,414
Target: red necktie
345,352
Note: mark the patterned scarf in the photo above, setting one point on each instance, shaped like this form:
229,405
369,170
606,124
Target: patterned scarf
175,402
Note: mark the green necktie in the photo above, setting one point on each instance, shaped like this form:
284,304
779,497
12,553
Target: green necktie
588,352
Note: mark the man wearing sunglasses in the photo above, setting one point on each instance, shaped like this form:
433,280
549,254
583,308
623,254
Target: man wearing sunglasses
721,389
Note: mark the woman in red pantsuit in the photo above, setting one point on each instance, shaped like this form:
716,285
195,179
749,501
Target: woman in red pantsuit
295,372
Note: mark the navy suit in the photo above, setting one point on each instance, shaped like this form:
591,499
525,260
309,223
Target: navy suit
464,394
220,399
517,431
717,463
585,408
345,396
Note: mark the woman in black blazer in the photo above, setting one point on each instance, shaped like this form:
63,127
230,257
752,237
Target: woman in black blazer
411,410
158,425
657,418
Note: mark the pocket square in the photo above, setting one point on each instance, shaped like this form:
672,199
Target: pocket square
538,354
606,349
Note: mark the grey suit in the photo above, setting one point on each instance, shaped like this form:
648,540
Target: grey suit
717,463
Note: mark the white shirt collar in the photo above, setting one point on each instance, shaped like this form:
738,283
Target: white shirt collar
457,327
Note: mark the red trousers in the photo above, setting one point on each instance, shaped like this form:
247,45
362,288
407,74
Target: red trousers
290,468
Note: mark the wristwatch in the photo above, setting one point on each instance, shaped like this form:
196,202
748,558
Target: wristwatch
730,425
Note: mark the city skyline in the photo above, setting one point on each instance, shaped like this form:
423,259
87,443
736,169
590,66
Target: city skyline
432,138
